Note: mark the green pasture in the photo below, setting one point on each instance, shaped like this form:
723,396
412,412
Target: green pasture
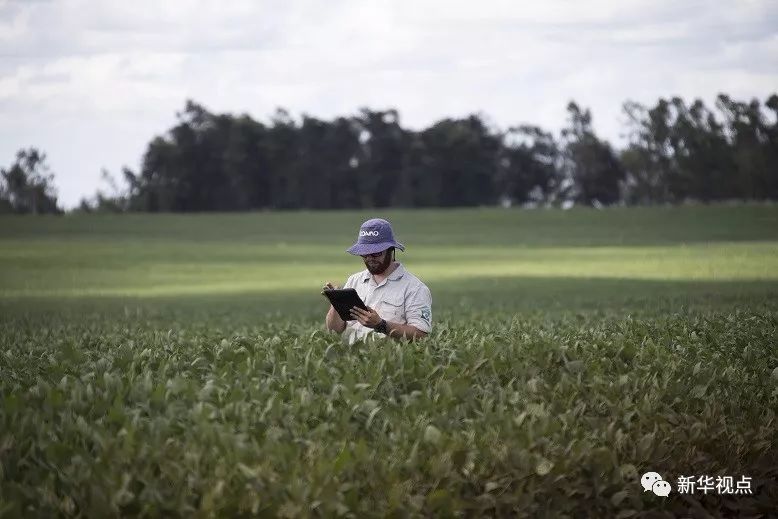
176,365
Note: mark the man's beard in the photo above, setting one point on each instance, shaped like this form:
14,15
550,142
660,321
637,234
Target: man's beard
376,267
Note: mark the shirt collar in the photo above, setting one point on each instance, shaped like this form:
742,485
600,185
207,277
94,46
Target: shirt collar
398,273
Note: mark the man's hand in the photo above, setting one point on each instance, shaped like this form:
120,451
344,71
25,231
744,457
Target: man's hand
333,321
369,317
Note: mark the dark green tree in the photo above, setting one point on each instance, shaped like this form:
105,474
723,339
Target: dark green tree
771,184
341,153
282,150
381,157
161,183
245,165
115,200
590,163
27,186
461,162
749,134
185,170
704,161
648,159
315,190
528,168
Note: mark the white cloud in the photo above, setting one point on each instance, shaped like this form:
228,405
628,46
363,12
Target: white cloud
92,82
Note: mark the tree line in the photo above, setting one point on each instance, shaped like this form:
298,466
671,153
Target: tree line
676,151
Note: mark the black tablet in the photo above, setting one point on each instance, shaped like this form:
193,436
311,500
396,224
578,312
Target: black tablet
344,299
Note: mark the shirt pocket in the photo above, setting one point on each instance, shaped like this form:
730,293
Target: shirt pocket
393,308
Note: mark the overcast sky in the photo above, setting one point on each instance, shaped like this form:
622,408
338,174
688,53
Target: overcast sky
91,82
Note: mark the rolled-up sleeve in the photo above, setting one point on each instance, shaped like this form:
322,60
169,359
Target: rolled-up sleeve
418,309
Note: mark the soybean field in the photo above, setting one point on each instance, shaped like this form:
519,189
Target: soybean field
177,365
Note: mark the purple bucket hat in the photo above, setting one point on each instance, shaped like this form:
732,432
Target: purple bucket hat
375,236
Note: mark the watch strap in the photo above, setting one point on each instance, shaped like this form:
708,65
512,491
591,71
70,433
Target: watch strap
381,327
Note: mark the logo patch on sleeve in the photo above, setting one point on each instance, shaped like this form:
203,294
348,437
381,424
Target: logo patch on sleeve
426,313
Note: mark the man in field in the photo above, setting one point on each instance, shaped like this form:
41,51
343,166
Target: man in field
399,305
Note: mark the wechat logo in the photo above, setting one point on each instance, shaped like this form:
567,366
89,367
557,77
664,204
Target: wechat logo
653,481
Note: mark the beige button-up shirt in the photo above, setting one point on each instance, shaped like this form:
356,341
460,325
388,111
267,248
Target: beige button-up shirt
400,298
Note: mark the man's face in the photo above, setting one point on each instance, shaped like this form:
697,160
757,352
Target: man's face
379,262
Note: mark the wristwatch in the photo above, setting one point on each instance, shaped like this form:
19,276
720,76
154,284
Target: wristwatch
381,327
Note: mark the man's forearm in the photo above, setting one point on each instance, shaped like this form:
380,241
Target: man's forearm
399,331
334,322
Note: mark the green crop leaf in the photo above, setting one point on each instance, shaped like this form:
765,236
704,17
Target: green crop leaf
575,366
645,445
628,471
491,485
618,497
543,467
432,435
438,498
